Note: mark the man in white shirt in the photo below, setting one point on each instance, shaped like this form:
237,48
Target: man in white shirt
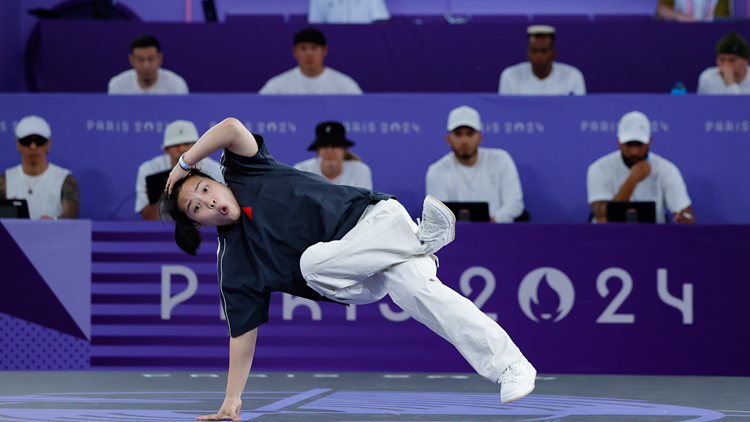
147,76
473,174
179,136
541,75
311,76
633,174
334,161
347,11
729,76
50,191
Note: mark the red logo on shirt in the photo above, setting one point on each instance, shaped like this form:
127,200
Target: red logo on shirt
248,211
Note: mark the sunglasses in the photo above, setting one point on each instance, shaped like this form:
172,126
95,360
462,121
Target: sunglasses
38,140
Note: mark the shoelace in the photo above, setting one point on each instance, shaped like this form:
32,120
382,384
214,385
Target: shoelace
429,227
511,374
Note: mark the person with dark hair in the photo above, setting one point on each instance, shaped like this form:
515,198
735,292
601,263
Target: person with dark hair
334,161
285,230
729,76
541,74
311,76
147,76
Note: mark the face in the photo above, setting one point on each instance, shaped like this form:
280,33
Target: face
175,151
146,62
208,202
310,55
464,141
34,154
541,52
332,153
733,62
634,151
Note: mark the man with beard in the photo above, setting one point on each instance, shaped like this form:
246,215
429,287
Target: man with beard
146,76
635,174
474,174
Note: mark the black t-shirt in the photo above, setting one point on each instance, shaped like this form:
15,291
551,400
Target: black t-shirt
285,211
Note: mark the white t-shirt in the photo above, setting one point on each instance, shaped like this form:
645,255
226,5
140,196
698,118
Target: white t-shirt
563,80
167,82
46,189
293,81
354,173
710,82
347,11
664,185
492,179
162,163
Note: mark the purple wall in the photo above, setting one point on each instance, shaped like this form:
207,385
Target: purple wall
241,55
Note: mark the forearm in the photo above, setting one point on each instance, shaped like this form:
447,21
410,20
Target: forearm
230,133
70,204
626,191
669,14
241,352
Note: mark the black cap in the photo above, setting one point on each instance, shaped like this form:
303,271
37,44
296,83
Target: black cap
733,43
310,35
330,134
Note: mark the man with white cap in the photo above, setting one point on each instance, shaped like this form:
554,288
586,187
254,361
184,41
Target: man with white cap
50,190
179,136
541,75
471,173
635,174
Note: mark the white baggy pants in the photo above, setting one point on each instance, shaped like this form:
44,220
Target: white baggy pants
382,254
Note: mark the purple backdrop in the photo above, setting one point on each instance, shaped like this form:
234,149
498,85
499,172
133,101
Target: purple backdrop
240,55
103,140
575,298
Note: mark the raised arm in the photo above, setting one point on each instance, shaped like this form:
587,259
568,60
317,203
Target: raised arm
230,134
241,352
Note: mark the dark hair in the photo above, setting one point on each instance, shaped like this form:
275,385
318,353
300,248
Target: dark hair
310,35
733,43
145,41
186,234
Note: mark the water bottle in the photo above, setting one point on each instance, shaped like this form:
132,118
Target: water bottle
679,89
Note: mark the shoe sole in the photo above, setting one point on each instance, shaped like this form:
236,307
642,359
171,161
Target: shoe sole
448,213
522,395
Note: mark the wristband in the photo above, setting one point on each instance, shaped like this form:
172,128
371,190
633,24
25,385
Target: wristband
183,165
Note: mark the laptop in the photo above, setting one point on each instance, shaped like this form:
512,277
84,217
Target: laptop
470,211
155,185
14,208
631,212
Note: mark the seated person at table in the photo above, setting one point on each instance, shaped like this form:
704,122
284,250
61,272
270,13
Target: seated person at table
473,174
179,136
147,76
334,161
634,174
692,10
541,75
51,191
729,76
311,76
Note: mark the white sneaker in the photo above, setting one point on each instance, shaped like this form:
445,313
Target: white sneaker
517,380
438,225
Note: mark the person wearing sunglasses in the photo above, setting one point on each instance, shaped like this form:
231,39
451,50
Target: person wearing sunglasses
50,190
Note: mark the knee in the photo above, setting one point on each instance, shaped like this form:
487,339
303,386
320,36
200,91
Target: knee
309,260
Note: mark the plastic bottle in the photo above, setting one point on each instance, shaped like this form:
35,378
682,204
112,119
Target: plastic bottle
679,89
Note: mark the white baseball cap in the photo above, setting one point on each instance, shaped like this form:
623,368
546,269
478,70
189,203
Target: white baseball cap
33,125
179,132
464,116
634,126
540,30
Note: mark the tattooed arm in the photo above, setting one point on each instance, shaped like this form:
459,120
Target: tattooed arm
2,186
70,204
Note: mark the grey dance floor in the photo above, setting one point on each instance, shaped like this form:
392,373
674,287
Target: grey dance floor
276,396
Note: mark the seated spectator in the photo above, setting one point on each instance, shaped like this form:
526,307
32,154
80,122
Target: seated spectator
729,76
147,76
347,11
179,136
311,76
471,173
334,161
50,191
692,10
541,75
634,174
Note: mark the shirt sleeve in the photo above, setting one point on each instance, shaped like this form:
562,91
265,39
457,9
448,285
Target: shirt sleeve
364,177
596,185
675,191
141,196
379,11
435,185
181,86
506,85
510,192
112,88
239,166
316,12
579,88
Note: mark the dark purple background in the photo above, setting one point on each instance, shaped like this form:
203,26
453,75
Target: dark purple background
625,55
